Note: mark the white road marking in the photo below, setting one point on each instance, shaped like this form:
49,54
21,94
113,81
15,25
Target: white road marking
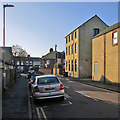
66,87
38,113
86,95
66,95
70,102
70,81
43,113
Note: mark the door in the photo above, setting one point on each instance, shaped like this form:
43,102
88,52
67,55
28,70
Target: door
95,71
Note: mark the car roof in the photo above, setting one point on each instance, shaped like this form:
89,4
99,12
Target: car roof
41,76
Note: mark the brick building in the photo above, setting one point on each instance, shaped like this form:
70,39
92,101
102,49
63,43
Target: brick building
106,55
78,48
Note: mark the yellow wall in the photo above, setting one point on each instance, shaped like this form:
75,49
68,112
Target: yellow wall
119,55
111,59
98,56
71,56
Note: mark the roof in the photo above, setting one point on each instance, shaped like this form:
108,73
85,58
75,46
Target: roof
85,23
41,76
108,29
50,55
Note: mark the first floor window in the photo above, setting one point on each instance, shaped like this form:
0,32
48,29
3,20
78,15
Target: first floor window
72,65
69,50
75,65
114,38
69,65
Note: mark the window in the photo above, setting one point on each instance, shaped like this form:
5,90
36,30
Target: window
69,38
21,62
72,36
26,62
69,65
75,47
72,48
96,31
30,62
69,50
66,65
66,39
75,65
66,50
72,65
18,62
114,38
75,34
48,62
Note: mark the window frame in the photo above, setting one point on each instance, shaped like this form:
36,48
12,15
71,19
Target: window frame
75,47
75,65
69,65
114,38
69,50
94,31
72,65
72,49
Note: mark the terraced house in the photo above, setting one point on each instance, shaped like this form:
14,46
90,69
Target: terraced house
78,48
106,55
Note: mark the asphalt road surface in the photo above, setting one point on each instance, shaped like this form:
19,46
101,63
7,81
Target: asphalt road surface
81,101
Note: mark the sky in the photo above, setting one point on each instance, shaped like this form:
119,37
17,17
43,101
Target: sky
38,26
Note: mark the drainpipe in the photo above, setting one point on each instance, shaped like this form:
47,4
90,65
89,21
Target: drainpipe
104,57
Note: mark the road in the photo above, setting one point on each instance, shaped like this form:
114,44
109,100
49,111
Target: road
81,101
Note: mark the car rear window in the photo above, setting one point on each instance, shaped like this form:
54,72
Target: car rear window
47,80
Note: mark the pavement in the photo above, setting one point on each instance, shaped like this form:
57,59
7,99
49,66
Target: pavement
15,100
89,81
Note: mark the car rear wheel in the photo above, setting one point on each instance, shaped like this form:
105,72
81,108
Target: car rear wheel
62,98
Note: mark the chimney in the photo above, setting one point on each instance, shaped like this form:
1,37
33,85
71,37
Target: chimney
55,47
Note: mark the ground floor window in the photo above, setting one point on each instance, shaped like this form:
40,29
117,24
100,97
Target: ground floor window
72,65
69,65
75,65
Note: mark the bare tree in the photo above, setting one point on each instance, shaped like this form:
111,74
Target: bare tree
18,51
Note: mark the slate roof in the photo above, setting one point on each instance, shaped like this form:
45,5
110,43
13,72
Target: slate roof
108,29
52,55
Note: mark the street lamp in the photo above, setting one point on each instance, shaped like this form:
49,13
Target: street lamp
4,6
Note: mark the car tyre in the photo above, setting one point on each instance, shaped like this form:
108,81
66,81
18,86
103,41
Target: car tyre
62,98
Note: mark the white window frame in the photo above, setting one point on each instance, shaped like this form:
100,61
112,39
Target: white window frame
114,38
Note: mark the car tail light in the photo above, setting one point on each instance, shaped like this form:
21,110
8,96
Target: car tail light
61,86
36,89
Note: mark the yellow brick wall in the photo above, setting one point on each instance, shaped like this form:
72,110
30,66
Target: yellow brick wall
112,68
71,56
111,59
119,55
98,56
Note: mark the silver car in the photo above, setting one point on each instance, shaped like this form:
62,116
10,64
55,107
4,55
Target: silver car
47,86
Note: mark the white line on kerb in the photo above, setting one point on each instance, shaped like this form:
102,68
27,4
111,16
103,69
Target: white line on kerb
43,113
70,102
66,95
38,113
66,87
87,95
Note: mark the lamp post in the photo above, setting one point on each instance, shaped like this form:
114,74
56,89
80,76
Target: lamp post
4,6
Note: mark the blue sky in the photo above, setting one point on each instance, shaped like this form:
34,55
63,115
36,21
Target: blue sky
38,26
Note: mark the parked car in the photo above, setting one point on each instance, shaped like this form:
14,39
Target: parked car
32,80
30,73
47,86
